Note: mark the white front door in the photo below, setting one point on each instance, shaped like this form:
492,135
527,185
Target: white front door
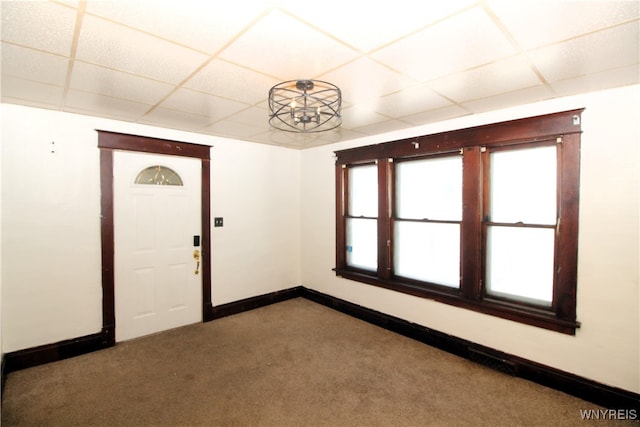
157,278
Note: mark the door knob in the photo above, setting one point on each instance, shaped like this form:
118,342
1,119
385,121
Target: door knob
196,256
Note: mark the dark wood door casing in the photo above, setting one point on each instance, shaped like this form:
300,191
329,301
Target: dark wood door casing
107,143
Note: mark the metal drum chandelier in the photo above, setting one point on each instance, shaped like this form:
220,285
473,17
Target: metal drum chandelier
305,106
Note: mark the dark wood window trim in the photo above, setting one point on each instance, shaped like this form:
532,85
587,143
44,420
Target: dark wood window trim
558,128
109,141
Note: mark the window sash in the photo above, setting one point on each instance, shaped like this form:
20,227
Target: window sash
362,243
523,184
427,215
420,183
428,252
521,211
360,218
363,191
520,264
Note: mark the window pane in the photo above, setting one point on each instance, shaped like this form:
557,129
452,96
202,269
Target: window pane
429,189
428,252
520,263
158,175
363,191
362,243
523,186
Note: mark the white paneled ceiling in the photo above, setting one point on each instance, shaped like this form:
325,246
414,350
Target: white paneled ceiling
207,66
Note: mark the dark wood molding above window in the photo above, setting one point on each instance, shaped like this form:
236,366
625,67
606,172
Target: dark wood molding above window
560,133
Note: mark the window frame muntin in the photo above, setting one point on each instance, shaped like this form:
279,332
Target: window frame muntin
564,125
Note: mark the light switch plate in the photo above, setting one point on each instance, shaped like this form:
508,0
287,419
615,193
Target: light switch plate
218,221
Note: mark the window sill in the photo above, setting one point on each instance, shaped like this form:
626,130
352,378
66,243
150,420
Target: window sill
511,311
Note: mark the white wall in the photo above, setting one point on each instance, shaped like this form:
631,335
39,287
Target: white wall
51,288
1,347
256,189
607,346
279,203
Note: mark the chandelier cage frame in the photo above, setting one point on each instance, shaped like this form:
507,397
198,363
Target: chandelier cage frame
305,106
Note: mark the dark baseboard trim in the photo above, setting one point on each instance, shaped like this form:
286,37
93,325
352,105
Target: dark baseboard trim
30,357
247,304
40,355
3,376
583,388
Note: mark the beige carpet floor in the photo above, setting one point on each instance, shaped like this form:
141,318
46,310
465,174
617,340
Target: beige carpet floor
295,363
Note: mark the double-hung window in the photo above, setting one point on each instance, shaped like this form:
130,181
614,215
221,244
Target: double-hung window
483,218
521,223
361,218
427,218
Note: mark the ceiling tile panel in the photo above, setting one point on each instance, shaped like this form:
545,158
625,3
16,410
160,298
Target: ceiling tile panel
111,45
41,25
357,116
411,101
509,99
535,23
174,119
287,49
233,82
34,65
490,80
593,53
70,3
336,135
368,26
27,92
598,81
364,81
104,106
383,127
287,139
254,116
105,81
437,115
213,107
464,41
234,130
211,24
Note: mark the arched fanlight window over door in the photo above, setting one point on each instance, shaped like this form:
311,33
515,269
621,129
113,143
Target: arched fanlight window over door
158,175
